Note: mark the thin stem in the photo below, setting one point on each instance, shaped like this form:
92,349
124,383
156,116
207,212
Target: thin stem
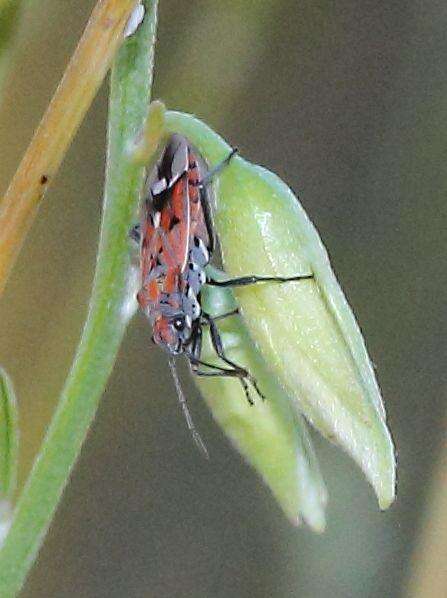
9,437
107,317
85,73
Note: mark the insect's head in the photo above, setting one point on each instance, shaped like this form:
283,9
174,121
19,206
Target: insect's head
172,333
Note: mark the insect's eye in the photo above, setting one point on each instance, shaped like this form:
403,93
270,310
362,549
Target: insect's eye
179,323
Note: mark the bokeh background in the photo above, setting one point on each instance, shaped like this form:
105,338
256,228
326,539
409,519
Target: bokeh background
347,102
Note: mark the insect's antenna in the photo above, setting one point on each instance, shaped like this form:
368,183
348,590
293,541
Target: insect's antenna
217,169
182,400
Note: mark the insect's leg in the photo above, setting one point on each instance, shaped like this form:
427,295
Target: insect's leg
216,169
214,370
196,344
236,372
184,405
195,361
249,280
135,233
218,347
207,317
223,373
208,219
202,186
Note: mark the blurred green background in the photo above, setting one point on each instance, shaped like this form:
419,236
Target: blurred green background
347,102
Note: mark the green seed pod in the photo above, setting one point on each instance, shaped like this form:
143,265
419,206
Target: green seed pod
305,330
272,438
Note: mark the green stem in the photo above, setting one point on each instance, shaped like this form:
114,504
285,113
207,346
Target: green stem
9,437
107,318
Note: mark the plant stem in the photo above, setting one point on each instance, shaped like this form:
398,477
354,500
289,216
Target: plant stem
107,317
83,76
9,437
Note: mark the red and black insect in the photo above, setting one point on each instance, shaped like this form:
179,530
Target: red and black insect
176,240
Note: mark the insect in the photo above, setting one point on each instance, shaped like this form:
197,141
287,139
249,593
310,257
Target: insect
177,241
